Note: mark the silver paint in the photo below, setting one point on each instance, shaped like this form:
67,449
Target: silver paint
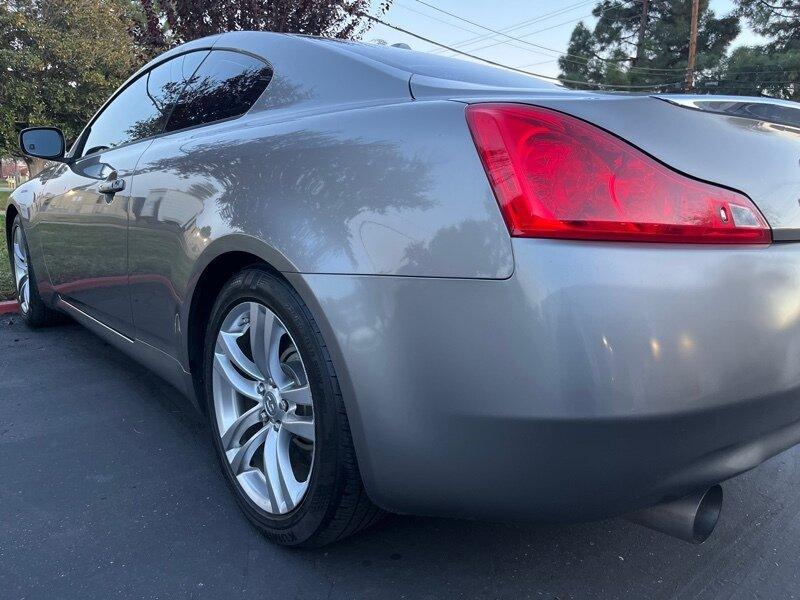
256,405
611,375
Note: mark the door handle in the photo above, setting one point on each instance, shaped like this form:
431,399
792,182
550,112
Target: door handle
111,186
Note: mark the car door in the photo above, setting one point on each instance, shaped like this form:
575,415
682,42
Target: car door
84,224
178,185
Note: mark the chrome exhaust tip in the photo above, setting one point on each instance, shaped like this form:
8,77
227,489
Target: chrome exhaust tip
691,518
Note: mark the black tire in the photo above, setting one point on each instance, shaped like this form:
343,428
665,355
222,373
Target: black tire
36,314
336,504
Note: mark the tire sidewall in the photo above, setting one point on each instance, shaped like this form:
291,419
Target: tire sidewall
27,315
302,522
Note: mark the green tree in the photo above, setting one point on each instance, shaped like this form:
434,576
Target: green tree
167,22
59,60
771,69
778,20
580,63
646,42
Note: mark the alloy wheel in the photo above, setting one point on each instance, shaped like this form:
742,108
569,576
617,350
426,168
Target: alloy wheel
21,272
264,408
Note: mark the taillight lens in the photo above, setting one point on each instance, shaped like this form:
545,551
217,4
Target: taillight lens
556,176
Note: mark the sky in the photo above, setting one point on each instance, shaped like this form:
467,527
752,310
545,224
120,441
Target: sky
544,23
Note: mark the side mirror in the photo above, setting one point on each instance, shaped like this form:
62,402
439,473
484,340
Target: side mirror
43,142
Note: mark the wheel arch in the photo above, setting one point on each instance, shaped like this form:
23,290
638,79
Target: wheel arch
206,289
215,266
213,270
11,213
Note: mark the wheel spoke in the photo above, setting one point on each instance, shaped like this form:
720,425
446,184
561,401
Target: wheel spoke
25,293
261,324
240,461
278,471
19,252
299,396
241,384
21,269
273,352
272,471
246,420
300,426
227,344
19,255
22,278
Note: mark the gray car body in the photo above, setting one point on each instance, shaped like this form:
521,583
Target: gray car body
483,375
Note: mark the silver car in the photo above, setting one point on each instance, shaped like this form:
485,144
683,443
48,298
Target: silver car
400,282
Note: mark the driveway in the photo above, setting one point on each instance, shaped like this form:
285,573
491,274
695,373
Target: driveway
110,489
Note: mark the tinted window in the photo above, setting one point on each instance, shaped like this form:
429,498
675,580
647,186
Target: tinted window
166,81
141,109
226,85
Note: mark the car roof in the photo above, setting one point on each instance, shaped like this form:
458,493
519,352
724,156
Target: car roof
311,73
436,66
411,61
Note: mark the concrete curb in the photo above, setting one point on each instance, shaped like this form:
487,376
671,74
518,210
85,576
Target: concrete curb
8,307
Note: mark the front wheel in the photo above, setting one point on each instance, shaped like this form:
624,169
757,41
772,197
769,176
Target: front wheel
31,306
276,413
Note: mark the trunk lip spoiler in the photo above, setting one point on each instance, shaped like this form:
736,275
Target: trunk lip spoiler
783,112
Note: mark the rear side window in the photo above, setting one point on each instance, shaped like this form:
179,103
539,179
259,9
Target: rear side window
226,85
166,81
141,109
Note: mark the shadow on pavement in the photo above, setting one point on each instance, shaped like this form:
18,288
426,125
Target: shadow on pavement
111,488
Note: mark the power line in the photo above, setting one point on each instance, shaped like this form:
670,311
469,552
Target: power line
419,12
744,84
522,24
530,33
653,71
540,31
497,64
529,43
495,31
541,62
510,44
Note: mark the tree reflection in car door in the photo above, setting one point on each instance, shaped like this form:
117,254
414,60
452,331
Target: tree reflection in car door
84,230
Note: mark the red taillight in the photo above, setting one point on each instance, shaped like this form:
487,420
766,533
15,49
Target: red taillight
556,176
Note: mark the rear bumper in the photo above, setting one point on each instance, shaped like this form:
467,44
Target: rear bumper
598,379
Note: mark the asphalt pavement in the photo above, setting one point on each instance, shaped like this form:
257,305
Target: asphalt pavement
109,489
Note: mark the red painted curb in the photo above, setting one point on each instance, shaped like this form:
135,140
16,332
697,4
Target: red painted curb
8,307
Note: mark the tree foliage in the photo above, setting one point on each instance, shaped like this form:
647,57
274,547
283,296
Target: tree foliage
60,60
580,63
778,20
773,68
167,22
646,44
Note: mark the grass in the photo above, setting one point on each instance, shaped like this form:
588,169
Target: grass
7,288
6,281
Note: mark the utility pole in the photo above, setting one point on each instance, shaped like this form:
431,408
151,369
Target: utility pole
642,32
692,46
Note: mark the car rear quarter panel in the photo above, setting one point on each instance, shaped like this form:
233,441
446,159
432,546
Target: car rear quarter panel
380,190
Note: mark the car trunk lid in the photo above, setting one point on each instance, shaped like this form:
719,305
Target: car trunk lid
746,144
750,154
